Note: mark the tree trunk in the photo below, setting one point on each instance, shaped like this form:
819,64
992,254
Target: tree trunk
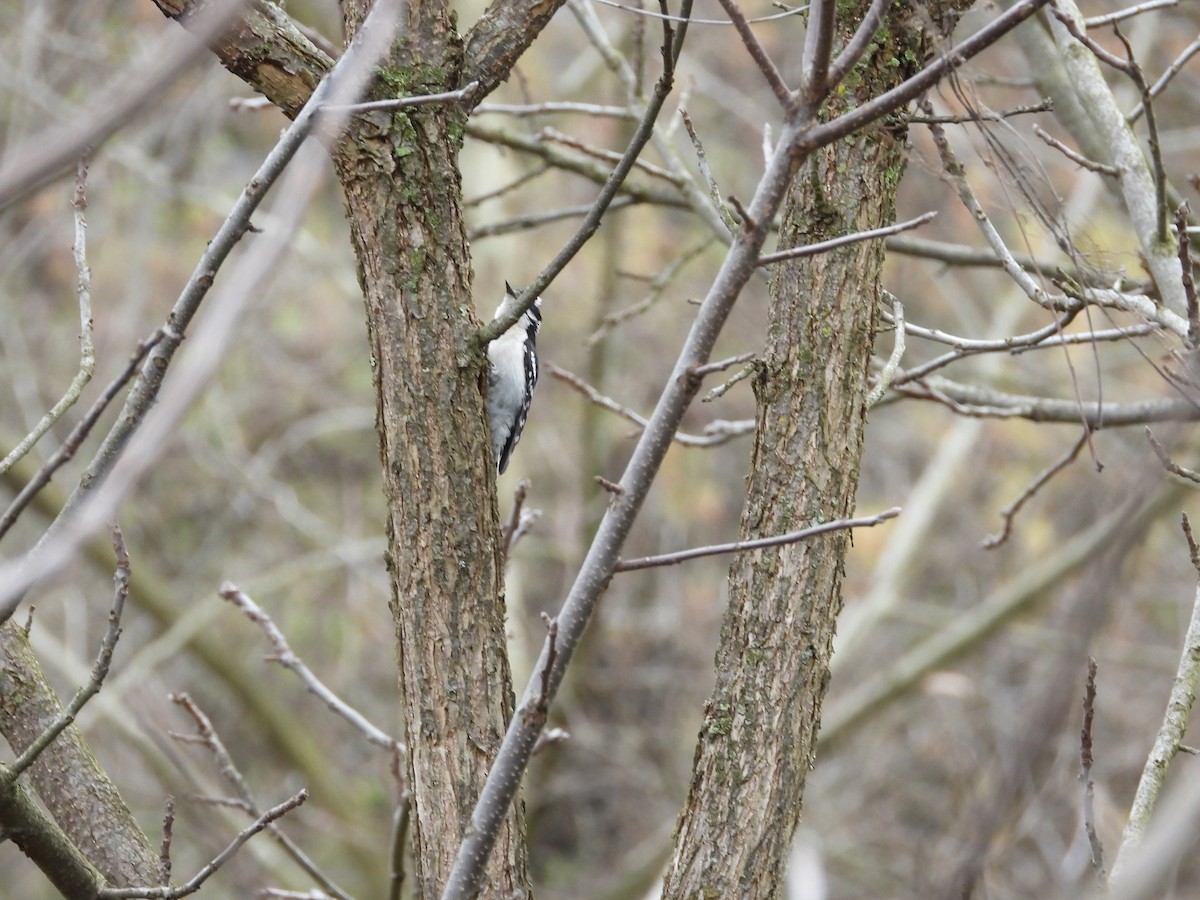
403,203
758,739
77,793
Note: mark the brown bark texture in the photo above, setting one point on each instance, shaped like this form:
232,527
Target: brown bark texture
402,191
757,741
69,781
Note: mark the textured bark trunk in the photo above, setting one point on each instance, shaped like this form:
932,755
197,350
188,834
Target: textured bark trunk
77,793
758,739
403,201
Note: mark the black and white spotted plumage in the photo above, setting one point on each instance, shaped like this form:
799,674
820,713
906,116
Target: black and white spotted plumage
513,374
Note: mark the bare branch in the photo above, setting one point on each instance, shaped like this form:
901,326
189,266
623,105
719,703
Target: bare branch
1127,13
77,436
779,540
197,880
206,736
85,693
1075,156
1189,282
888,372
1169,464
759,54
671,48
858,45
1166,742
606,402
87,351
289,660
987,115
978,402
1172,70
815,83
1085,775
846,240
1009,512
101,487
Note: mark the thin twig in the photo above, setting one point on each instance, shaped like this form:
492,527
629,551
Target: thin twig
858,45
1169,737
1189,282
108,644
464,93
714,190
759,54
721,389
289,660
720,365
962,255
522,110
164,852
818,48
536,220
888,372
605,402
78,435
87,350
779,540
1044,105
1075,156
1172,70
671,48
194,883
1085,775
846,240
1010,511
206,736
1169,464
1128,12
400,823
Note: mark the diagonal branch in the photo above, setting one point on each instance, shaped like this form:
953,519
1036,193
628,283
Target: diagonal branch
778,540
500,36
818,47
671,48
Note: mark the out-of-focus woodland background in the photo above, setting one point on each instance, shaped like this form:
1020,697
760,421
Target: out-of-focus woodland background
273,481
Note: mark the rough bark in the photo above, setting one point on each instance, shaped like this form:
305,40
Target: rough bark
70,782
757,742
403,196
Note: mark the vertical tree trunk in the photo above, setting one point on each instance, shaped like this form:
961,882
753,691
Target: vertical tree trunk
403,196
758,739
